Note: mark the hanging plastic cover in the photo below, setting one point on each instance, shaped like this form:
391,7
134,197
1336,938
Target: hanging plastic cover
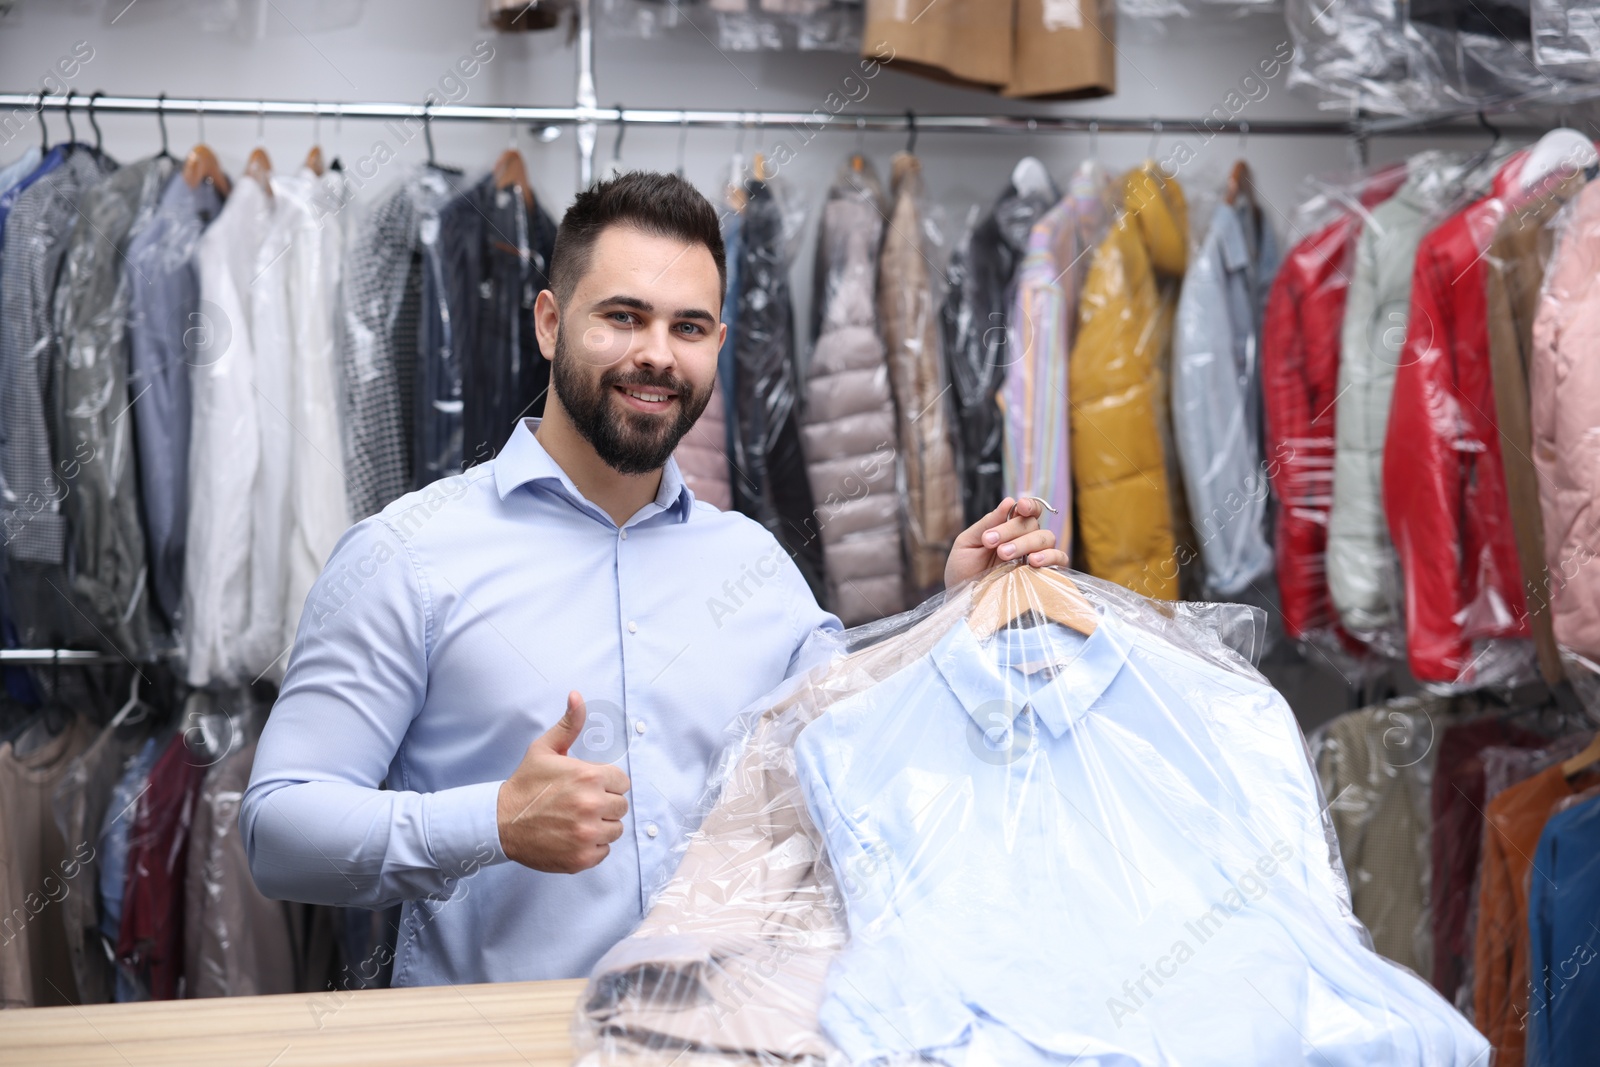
910,274
788,25
1565,417
1096,837
1376,770
848,425
1300,351
1566,38
1452,465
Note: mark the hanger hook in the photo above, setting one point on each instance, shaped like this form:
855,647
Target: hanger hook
1244,134
511,129
911,132
622,128
72,131
316,122
261,120
161,118
1483,120
861,135
683,141
338,128
1094,139
427,128
92,122
1155,136
1040,499
44,130
200,119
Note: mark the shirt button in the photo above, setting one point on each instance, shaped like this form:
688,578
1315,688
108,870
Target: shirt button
651,829
638,727
624,534
633,627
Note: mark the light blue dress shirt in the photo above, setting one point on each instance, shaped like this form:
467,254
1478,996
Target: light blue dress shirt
1095,851
442,639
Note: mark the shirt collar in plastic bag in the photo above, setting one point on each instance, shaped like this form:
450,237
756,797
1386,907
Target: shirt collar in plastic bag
980,674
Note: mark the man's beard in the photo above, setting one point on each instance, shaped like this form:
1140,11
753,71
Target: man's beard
630,442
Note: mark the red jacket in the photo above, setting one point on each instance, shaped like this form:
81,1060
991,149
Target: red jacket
1300,382
1444,488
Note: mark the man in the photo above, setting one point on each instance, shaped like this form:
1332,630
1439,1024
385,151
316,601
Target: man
574,570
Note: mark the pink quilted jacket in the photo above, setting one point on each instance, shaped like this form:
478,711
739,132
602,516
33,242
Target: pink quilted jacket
702,455
1564,383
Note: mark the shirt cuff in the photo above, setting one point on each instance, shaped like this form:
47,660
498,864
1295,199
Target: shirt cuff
464,828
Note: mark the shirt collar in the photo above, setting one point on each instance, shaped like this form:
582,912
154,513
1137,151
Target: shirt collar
524,460
981,674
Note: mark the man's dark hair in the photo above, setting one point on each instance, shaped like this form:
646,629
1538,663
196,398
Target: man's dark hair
663,205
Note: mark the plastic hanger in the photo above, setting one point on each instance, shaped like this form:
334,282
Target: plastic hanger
72,131
427,134
683,143
338,137
911,132
201,164
95,124
161,120
1030,178
44,130
124,713
510,172
1019,588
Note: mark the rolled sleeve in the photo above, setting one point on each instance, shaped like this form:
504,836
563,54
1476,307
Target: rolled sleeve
315,823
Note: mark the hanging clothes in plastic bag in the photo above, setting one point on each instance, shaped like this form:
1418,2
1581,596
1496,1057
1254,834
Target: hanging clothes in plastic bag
1564,387
1300,391
161,313
1216,394
81,799
481,369
908,310
1117,381
848,427
1566,38
1363,572
225,445
784,25
973,324
109,572
769,479
38,866
1130,802
1034,401
1444,486
1376,770
382,317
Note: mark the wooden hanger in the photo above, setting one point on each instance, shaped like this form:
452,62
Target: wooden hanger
1018,589
314,160
1013,591
201,165
511,172
1583,760
259,167
1239,184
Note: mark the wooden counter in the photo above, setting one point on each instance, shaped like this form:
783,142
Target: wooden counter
525,1024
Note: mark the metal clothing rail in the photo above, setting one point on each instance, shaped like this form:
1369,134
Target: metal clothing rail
693,117
51,657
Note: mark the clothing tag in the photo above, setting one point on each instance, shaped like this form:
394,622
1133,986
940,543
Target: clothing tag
1062,15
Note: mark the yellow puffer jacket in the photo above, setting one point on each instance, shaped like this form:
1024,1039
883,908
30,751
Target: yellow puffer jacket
1117,382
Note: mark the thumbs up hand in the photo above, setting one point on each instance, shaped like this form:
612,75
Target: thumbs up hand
557,813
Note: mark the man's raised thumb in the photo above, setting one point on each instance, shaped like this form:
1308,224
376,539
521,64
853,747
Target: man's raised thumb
560,737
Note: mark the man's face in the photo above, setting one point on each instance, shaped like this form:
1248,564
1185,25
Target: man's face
635,349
